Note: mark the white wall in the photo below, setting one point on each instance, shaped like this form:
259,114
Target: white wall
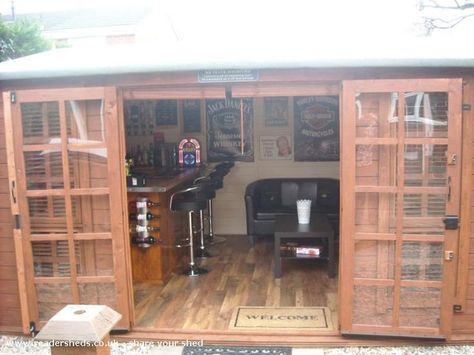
229,206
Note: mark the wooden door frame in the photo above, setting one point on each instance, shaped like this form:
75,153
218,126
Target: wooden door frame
348,182
116,188
17,232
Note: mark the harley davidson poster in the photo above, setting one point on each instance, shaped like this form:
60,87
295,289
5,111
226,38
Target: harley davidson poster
316,128
225,131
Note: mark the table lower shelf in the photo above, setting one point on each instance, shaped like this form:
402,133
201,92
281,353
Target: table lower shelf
304,257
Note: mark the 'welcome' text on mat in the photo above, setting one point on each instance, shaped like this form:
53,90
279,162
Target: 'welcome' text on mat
282,318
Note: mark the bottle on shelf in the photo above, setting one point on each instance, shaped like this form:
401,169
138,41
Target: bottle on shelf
142,204
142,216
146,240
151,153
141,229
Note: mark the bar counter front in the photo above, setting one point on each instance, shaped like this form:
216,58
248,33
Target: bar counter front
164,229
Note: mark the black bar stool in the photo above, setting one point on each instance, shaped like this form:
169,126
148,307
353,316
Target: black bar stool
188,200
216,180
206,192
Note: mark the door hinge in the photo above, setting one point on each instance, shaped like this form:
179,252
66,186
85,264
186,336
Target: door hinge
457,308
466,107
33,330
448,255
17,221
13,97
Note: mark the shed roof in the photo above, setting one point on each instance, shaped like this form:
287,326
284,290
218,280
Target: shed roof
182,35
146,58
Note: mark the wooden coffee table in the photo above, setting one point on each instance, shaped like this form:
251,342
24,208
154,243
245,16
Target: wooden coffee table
319,228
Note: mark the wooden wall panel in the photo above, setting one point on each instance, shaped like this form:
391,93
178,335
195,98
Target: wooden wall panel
463,323
10,315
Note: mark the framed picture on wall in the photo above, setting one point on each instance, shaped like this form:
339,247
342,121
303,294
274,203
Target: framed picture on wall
316,128
276,111
139,118
226,131
275,147
166,113
191,116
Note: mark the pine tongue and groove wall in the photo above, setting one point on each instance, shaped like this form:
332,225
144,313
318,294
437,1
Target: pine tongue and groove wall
10,314
463,323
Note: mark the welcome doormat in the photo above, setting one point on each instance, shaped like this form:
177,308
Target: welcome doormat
271,318
231,350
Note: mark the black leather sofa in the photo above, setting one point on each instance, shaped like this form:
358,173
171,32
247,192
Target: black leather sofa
268,198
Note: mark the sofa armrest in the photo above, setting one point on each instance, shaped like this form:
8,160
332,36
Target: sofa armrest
250,207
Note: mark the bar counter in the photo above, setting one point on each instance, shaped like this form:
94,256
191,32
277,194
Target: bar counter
166,183
157,262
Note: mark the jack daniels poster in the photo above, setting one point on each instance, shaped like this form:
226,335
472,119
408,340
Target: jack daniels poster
223,130
316,128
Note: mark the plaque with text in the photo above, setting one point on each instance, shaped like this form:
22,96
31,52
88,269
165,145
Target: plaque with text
227,75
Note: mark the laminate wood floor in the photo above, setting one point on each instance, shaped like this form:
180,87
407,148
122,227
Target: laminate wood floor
239,275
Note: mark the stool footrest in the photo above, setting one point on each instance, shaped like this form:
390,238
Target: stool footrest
195,271
184,243
214,240
203,253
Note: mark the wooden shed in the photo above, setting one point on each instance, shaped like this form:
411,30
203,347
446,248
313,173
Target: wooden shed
406,253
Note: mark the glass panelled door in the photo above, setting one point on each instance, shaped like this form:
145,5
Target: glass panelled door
66,184
400,202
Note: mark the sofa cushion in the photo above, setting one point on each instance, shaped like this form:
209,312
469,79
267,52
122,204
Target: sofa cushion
268,195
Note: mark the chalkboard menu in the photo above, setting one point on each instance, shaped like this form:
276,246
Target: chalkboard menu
166,112
316,123
191,116
224,130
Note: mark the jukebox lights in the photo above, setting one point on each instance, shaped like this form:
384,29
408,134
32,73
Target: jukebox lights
189,153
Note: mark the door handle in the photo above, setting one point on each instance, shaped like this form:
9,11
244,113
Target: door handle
13,191
451,222
449,188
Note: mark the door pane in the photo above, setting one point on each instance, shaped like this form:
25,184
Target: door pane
424,213
44,170
95,293
51,259
373,305
47,215
88,168
425,165
375,212
376,115
91,214
40,123
374,259
85,121
422,261
426,114
94,257
52,298
420,307
376,165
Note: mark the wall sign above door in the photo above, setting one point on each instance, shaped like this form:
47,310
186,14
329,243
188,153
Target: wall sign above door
227,75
